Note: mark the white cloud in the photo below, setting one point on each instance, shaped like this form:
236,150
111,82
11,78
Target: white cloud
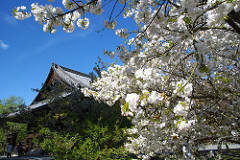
83,33
66,37
3,45
50,43
10,20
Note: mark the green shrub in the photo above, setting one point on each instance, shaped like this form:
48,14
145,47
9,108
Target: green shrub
95,142
2,141
72,132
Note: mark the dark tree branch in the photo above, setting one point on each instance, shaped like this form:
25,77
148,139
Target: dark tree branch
112,11
120,11
233,19
174,4
235,16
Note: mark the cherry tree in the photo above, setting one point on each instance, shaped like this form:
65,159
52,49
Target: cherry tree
179,82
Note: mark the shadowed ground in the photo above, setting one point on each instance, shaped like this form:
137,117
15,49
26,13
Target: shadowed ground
26,158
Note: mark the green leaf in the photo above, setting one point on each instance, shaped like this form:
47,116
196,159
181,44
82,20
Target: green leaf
125,107
216,3
167,111
204,69
14,11
187,20
170,19
70,4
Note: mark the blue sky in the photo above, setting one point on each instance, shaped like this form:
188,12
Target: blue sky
26,52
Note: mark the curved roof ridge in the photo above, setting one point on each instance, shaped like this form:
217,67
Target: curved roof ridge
72,71
73,77
68,76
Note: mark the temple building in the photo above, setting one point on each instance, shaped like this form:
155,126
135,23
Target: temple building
61,83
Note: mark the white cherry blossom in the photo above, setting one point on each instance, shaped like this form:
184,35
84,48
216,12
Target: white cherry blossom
179,80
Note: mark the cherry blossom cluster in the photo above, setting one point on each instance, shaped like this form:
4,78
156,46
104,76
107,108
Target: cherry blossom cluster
171,83
179,81
20,14
52,17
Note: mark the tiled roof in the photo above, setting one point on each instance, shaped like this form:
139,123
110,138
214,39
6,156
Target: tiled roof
72,78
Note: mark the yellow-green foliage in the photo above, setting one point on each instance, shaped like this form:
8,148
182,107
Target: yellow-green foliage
96,132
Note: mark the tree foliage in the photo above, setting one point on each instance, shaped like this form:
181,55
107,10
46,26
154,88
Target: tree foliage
7,106
179,82
77,127
10,105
